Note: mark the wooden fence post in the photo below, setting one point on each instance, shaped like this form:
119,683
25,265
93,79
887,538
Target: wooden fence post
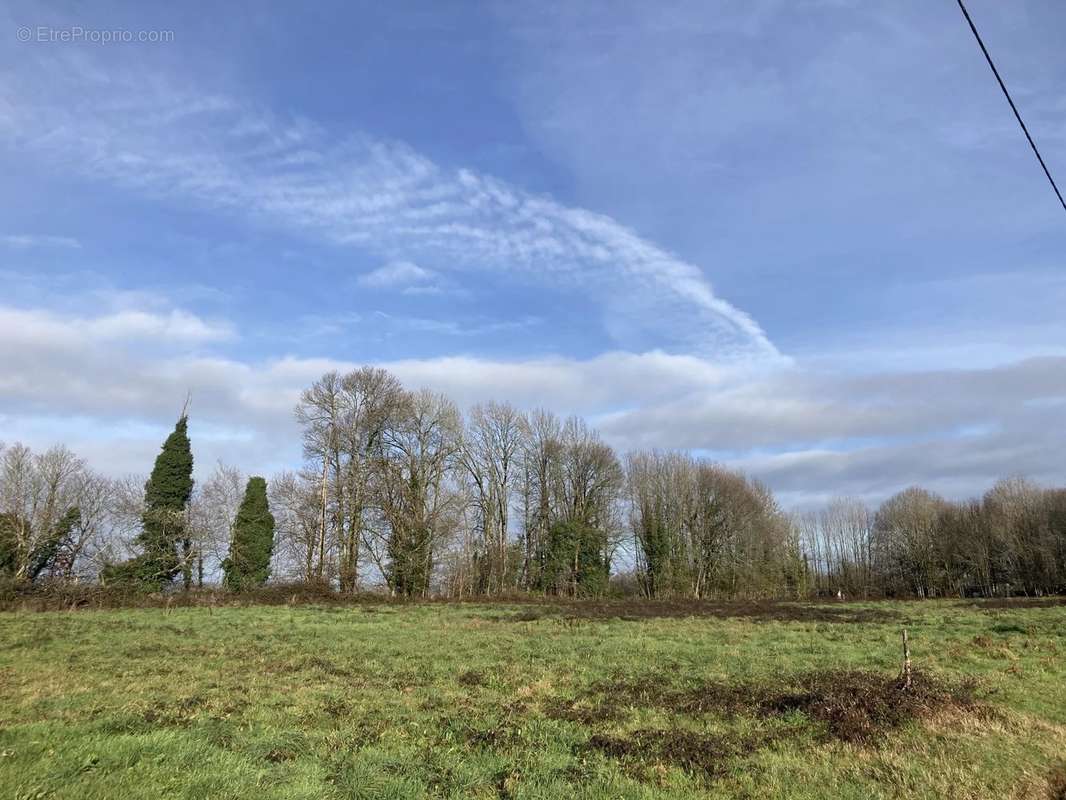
906,674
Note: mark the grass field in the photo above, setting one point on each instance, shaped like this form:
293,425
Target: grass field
531,700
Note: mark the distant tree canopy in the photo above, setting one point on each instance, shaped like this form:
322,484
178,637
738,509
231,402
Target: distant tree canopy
49,509
166,495
25,556
917,544
252,543
402,490
703,530
44,554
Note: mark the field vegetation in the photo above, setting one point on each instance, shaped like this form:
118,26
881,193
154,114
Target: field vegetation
339,698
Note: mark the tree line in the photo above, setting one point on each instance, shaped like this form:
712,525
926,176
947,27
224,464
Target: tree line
62,521
400,489
1012,540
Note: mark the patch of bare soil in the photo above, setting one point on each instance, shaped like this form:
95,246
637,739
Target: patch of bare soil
583,713
505,734
62,596
850,705
1057,783
853,705
767,611
279,755
999,603
701,753
471,678
857,706
761,610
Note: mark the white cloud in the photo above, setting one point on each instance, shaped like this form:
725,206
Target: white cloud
451,327
397,274
380,196
65,365
21,328
23,241
175,326
809,434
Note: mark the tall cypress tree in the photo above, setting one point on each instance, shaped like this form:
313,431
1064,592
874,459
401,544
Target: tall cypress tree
166,494
252,542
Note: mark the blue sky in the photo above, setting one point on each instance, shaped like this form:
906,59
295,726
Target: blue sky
806,238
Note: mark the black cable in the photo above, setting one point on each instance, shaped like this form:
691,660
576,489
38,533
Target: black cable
1013,107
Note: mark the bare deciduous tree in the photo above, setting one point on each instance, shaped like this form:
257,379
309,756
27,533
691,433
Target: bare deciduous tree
414,488
343,419
489,456
294,501
539,458
43,526
211,512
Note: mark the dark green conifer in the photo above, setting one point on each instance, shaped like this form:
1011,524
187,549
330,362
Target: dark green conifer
166,494
252,542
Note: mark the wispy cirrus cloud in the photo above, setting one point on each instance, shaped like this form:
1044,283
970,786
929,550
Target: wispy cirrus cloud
409,278
379,325
26,241
377,195
402,274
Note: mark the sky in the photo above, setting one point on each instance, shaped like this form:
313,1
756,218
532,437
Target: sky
803,238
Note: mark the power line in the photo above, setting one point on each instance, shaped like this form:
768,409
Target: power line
1013,107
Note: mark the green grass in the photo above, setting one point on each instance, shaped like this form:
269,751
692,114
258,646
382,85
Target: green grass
435,700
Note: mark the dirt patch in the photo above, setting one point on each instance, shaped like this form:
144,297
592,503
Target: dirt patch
760,611
336,708
853,705
324,665
528,616
701,753
279,755
637,610
857,706
499,736
1056,783
999,603
471,678
581,712
60,596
